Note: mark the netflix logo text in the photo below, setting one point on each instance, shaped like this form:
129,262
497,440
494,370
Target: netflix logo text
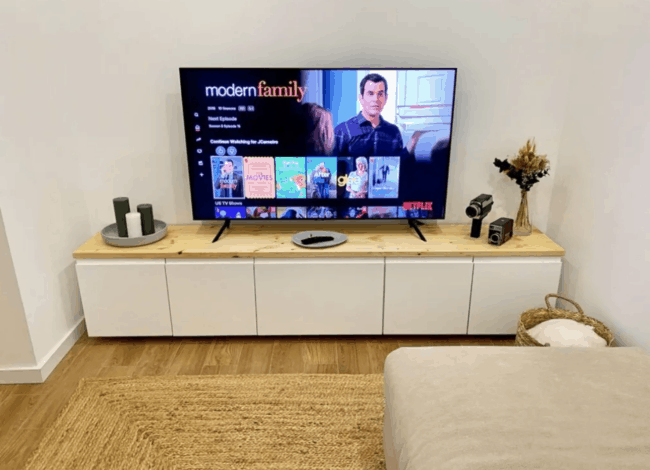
427,206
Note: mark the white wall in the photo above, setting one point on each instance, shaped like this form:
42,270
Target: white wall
599,210
44,118
15,344
90,106
114,69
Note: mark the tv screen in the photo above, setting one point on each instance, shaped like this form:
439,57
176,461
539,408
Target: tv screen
280,143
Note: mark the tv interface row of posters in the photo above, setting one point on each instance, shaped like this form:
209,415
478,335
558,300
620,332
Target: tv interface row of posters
305,178
317,212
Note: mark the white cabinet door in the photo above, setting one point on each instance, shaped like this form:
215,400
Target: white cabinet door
124,297
319,296
503,288
427,296
212,297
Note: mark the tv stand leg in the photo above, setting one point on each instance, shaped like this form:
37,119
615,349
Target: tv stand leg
413,223
225,225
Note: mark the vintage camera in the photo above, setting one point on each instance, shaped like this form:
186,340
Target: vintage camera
478,209
500,231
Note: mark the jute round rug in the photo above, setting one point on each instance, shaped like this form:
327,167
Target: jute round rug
270,422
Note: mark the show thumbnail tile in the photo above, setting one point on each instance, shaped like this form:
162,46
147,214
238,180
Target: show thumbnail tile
259,177
414,213
321,213
356,212
292,213
352,177
227,177
321,177
384,177
290,178
260,212
381,212
229,212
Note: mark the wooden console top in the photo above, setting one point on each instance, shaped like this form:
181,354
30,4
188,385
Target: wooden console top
274,241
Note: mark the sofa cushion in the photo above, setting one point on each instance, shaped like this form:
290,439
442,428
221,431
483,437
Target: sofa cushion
483,408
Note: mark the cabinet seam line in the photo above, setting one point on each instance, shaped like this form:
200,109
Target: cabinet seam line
471,288
383,304
169,303
257,331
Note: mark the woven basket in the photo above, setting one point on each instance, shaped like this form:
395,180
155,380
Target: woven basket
535,316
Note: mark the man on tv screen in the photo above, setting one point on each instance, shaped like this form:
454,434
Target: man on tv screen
368,133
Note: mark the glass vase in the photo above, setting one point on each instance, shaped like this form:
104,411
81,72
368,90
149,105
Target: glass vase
523,226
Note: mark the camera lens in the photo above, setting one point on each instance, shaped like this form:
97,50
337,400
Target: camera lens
471,211
495,238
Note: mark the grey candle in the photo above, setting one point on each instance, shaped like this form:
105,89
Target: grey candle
121,206
147,219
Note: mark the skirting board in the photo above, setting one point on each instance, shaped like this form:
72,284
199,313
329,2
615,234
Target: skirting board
39,373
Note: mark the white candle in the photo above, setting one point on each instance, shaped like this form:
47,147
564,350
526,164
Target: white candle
134,224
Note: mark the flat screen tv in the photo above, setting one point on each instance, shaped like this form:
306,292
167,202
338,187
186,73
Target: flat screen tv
288,143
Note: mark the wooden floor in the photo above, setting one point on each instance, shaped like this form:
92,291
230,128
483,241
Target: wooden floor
26,411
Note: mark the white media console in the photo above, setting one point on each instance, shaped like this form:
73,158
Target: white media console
255,281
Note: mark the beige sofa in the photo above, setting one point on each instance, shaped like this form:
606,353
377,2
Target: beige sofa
483,408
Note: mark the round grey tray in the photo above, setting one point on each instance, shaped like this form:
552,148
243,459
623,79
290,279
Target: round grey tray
338,238
110,236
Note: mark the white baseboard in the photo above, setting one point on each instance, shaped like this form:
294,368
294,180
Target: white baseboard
40,372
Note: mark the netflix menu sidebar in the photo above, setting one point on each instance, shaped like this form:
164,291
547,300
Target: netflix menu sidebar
208,124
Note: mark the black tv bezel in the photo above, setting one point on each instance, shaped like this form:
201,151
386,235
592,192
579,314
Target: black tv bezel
336,220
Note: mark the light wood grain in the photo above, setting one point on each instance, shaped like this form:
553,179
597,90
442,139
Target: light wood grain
116,371
255,357
353,356
225,352
274,241
16,450
378,351
14,411
157,358
288,357
221,369
5,391
321,369
319,351
191,356
129,354
26,411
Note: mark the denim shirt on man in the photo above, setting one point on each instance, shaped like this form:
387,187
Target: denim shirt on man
357,138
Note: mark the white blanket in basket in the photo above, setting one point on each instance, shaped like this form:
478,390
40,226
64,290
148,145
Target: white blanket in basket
565,332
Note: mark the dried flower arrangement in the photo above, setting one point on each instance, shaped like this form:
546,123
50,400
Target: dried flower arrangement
526,169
